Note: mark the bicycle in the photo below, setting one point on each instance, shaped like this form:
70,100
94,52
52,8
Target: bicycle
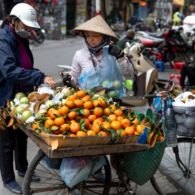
178,162
51,180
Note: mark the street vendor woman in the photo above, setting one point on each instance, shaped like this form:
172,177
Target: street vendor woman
17,75
95,64
92,66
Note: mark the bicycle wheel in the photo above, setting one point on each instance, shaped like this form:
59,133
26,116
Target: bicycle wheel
178,164
51,182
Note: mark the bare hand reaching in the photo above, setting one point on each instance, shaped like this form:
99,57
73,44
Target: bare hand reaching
50,81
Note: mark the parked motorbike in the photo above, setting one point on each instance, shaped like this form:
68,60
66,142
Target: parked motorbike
173,45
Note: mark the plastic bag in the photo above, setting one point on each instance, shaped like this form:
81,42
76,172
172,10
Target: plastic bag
51,162
126,69
106,74
77,169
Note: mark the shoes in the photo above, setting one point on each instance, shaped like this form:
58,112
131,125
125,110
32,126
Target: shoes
13,187
34,177
98,175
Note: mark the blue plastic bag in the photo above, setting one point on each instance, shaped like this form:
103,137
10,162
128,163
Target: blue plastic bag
106,74
74,170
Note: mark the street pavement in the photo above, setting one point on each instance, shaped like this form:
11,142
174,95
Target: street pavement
146,189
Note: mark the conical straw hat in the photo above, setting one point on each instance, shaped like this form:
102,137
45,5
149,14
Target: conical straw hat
96,24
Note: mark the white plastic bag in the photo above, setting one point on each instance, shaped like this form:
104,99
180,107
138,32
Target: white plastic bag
74,170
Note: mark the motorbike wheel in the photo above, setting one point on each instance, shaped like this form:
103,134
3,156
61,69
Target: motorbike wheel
40,38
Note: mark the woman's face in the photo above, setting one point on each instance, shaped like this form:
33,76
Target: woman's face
93,39
19,25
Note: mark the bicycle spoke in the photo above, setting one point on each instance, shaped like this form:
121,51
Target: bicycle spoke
184,177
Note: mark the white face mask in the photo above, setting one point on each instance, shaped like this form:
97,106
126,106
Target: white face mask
23,33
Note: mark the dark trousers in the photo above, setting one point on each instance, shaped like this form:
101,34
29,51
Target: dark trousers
12,142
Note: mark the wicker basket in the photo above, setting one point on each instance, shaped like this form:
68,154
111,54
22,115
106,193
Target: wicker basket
141,166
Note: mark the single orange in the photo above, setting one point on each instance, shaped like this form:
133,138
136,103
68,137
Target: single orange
118,112
78,103
88,104
59,121
92,117
102,102
70,104
86,123
91,133
115,125
103,134
49,123
106,125
130,130
140,128
107,111
53,113
64,127
135,121
81,134
50,110
74,127
72,135
95,128
72,115
96,103
112,117
98,121
81,93
86,98
113,107
72,97
123,133
125,122
34,126
120,118
85,112
98,111
63,110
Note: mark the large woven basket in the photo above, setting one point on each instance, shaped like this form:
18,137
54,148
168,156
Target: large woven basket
141,166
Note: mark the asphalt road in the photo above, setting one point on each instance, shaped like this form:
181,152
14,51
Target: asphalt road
47,56
52,53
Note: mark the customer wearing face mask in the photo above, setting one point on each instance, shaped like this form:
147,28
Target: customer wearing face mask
17,75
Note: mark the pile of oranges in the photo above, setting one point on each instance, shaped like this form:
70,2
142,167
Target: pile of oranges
85,115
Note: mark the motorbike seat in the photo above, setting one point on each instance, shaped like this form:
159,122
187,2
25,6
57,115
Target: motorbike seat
150,42
157,34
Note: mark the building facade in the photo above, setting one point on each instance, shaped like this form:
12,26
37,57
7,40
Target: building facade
59,17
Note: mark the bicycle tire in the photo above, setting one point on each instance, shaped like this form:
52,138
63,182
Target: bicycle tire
50,180
169,166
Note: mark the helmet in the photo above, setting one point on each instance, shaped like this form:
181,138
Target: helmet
26,13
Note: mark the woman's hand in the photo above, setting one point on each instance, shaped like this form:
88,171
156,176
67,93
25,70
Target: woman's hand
50,81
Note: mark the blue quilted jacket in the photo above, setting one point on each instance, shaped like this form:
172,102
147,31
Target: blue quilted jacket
11,74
